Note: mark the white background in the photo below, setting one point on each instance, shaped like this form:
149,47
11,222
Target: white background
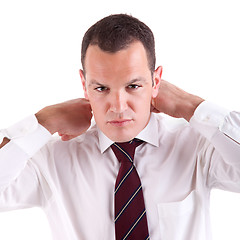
197,43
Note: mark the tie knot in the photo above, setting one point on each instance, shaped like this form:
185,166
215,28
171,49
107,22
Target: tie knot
125,151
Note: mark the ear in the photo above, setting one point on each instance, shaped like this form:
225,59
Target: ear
156,81
83,83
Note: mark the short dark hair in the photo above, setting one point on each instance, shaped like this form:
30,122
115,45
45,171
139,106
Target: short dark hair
116,32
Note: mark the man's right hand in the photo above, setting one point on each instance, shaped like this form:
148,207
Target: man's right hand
70,119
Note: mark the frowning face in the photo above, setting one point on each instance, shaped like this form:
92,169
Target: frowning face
119,87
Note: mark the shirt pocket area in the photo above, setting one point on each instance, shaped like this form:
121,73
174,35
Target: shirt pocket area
180,220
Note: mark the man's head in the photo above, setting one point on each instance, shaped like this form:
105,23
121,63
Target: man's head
117,32
118,75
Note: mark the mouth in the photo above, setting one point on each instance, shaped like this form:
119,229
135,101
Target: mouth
120,123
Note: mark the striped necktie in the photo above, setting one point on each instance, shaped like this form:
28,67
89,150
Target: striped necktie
130,213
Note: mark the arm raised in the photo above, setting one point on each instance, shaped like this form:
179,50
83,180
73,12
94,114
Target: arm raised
70,119
175,102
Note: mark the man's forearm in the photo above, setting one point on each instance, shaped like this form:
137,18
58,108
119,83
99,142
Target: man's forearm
175,102
188,105
69,119
44,117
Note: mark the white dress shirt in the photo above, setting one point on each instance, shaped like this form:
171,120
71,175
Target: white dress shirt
73,182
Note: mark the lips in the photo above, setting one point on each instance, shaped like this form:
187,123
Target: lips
120,123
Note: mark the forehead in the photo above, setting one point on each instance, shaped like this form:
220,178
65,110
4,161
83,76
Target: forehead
131,60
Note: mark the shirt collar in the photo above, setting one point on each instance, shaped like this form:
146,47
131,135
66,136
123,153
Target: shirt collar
149,134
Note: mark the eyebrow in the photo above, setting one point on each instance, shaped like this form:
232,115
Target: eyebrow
93,81
135,80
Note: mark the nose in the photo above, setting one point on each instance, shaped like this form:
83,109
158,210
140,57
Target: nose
118,102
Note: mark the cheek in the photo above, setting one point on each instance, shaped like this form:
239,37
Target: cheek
98,106
142,104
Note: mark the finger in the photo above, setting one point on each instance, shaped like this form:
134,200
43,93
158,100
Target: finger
155,110
65,137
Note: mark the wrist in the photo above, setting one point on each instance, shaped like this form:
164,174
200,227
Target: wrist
44,118
189,106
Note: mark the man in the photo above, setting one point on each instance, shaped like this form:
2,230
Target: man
74,181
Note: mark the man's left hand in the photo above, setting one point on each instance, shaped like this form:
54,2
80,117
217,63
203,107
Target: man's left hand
175,102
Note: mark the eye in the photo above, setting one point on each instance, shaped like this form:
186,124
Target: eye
101,89
133,86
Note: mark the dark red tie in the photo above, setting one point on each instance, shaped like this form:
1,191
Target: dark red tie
130,213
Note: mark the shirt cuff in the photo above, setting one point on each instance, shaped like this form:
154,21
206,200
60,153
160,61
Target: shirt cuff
28,134
231,126
209,118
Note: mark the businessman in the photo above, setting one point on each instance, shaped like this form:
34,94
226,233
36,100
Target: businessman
130,175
